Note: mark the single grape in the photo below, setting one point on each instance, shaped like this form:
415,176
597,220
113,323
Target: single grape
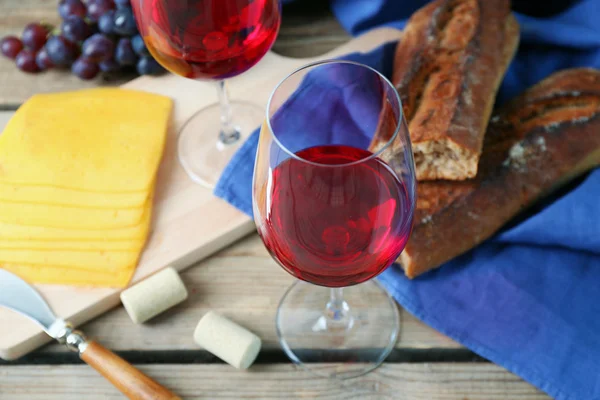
124,53
106,22
67,8
122,3
62,51
139,46
125,22
98,48
42,60
149,66
85,69
26,61
34,36
10,46
96,8
109,66
75,29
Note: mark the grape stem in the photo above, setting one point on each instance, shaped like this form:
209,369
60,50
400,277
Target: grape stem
229,134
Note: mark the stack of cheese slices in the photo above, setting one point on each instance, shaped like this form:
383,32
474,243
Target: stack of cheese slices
77,173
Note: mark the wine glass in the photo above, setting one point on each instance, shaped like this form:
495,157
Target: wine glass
333,201
210,40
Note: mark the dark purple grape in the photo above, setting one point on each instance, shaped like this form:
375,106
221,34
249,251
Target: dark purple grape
106,22
34,36
26,61
149,66
42,60
124,53
139,46
85,69
62,51
124,22
67,8
109,66
96,8
75,29
122,3
10,46
98,48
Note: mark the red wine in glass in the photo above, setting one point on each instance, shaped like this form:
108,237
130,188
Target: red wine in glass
333,200
336,226
208,39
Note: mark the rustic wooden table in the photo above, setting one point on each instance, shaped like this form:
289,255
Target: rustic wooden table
243,283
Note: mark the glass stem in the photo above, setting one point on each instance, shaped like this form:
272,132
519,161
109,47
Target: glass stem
229,134
337,310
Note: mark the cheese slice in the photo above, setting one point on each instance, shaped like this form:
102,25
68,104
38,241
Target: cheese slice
86,245
67,276
18,232
69,217
97,140
96,260
70,197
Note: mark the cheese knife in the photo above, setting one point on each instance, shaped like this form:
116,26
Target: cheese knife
19,296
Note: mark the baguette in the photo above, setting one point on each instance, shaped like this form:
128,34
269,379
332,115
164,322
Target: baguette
447,68
539,141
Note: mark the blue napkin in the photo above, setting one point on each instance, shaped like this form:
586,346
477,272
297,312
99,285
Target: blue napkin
529,298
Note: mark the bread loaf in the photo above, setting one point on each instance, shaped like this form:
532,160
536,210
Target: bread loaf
447,68
533,145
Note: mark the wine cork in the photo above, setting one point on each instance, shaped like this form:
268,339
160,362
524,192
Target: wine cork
154,295
227,340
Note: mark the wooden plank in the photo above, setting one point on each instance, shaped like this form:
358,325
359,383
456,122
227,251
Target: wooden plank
309,29
242,282
304,33
480,381
15,14
4,117
189,223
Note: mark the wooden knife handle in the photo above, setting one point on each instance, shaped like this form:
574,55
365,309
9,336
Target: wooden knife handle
124,376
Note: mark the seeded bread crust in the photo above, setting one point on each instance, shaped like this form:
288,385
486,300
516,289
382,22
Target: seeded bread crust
447,68
536,143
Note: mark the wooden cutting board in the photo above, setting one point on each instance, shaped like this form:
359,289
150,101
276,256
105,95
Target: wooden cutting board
189,222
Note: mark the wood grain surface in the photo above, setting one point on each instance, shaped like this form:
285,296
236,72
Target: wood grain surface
125,377
439,381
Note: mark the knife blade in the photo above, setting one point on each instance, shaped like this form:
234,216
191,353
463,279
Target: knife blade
19,296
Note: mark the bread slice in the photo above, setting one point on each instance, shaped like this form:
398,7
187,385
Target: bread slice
539,141
447,68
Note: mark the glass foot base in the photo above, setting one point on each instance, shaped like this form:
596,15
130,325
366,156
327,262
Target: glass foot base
352,342
201,153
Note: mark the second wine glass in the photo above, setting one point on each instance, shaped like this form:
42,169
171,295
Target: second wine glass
210,40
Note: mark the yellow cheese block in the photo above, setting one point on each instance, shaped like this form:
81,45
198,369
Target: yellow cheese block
67,276
70,197
69,217
96,260
98,140
86,245
23,232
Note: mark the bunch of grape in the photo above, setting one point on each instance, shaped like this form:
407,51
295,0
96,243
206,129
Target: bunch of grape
94,36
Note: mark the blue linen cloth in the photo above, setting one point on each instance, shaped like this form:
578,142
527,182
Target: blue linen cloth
529,298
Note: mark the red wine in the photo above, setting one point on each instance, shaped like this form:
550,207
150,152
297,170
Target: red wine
208,39
335,225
